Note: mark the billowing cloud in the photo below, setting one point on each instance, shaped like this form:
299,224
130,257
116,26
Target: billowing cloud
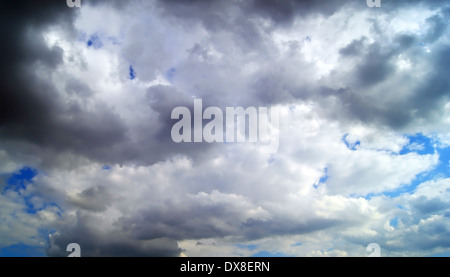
86,153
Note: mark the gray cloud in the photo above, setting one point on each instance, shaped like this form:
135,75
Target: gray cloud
424,102
95,242
425,205
33,111
95,199
196,221
62,113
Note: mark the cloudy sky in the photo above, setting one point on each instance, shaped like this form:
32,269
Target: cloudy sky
86,153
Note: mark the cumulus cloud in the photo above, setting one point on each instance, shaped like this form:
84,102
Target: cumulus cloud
363,99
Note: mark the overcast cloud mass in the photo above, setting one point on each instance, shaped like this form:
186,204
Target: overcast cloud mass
86,154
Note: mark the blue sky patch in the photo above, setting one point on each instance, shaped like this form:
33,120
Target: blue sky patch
410,188
442,169
170,74
269,254
22,250
94,41
19,180
132,73
250,247
394,222
441,254
423,145
419,144
351,145
322,179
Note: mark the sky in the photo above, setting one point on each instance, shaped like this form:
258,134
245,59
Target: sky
87,157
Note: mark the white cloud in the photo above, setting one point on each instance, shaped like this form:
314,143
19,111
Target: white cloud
352,75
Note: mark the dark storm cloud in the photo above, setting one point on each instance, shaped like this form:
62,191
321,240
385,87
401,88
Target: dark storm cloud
437,28
236,18
213,17
95,242
36,120
376,65
25,100
426,206
77,87
430,97
195,221
95,199
154,138
273,88
354,48
284,12
406,41
217,16
427,101
376,61
31,109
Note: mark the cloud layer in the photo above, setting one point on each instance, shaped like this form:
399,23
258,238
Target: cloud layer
364,128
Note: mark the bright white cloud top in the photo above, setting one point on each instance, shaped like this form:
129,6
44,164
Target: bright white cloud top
86,153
